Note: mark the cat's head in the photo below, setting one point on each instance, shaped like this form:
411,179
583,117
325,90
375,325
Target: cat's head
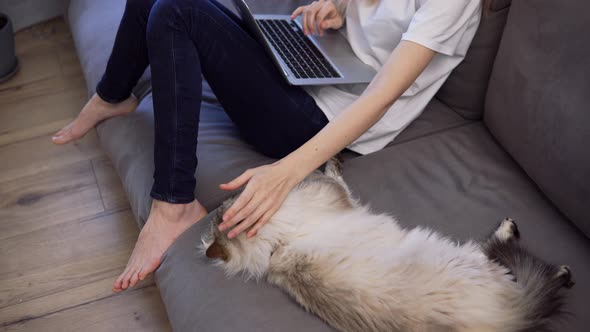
240,254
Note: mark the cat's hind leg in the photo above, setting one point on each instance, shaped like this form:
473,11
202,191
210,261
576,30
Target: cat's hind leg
507,231
564,276
541,283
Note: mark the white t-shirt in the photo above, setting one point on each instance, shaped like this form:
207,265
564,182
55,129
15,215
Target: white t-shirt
374,28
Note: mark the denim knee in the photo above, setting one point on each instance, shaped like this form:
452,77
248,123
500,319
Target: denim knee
175,11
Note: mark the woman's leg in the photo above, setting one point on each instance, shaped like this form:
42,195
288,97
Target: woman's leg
127,62
190,38
187,39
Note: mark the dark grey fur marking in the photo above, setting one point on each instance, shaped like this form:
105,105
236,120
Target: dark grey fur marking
541,281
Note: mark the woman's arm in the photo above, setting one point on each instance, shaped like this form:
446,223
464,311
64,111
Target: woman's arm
402,68
269,185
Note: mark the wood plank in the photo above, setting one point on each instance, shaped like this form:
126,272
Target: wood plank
35,65
48,198
68,60
42,87
37,116
60,251
137,310
53,32
40,154
70,298
48,265
111,189
48,63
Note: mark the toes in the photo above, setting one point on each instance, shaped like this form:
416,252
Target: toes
147,269
127,278
117,287
134,279
62,138
60,132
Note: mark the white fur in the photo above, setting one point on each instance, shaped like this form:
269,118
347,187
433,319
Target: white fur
413,280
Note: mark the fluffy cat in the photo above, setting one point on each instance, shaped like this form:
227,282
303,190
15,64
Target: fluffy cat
360,271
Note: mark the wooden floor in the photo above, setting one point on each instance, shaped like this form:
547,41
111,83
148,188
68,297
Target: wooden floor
66,230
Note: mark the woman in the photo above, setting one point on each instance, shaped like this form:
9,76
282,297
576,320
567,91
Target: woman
413,44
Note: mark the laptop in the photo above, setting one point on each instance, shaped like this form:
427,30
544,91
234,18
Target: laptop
306,60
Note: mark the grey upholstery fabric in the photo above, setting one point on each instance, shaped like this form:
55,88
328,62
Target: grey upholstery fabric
459,182
443,171
538,106
465,89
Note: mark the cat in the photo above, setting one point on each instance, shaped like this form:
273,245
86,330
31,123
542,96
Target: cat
361,271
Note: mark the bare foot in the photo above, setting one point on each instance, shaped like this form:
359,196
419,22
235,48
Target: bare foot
165,223
93,112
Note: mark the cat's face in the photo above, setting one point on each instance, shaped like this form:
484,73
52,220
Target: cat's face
217,243
240,254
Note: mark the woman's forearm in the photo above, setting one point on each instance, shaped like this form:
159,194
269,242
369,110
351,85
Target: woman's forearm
399,72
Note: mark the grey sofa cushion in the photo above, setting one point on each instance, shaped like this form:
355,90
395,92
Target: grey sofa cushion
537,105
459,182
465,89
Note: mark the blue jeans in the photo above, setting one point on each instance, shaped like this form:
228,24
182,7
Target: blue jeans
183,40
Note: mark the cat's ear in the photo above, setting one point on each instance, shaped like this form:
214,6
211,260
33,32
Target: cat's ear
217,251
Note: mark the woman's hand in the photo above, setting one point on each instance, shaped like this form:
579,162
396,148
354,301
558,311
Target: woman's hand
323,13
268,186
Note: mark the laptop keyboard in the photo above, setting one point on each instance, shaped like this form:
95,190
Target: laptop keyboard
299,53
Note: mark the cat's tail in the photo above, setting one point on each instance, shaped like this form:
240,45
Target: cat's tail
542,284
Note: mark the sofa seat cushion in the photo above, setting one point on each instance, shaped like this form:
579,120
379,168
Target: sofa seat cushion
459,182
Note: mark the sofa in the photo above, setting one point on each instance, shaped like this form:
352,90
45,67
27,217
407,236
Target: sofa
508,135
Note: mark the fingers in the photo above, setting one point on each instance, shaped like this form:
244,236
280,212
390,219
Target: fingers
262,221
308,18
332,23
238,211
321,14
312,16
304,21
324,12
250,220
237,182
297,12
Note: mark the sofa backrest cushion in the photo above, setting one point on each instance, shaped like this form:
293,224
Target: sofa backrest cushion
465,89
538,101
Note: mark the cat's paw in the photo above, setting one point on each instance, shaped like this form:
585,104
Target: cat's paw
565,275
507,230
